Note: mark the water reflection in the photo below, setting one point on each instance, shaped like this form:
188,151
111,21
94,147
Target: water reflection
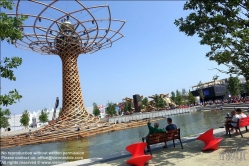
72,149
112,143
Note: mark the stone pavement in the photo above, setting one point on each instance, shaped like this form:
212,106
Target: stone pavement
232,151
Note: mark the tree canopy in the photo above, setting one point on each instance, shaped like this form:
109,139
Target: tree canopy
43,117
127,106
24,120
96,111
144,102
173,96
247,87
10,30
111,109
224,26
191,98
234,86
161,103
10,26
4,116
178,98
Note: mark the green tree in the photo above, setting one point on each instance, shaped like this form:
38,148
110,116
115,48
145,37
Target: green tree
144,103
247,87
10,28
191,98
161,103
24,120
127,106
96,111
111,109
242,90
4,117
43,117
173,97
10,31
234,86
222,25
156,99
178,99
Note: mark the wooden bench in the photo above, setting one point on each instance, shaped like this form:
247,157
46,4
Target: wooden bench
242,122
163,137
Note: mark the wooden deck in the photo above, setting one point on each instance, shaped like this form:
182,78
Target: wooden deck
62,132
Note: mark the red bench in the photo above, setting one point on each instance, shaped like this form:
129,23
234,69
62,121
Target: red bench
243,122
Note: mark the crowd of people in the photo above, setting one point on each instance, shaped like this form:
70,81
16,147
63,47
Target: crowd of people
219,101
237,100
226,101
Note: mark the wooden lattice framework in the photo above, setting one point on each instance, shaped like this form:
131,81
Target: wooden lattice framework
68,37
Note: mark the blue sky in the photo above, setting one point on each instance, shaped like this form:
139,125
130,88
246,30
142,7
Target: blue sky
152,58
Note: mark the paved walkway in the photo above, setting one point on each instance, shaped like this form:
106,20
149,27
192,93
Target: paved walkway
232,151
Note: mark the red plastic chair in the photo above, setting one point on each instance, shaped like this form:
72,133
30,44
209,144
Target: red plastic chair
210,141
137,151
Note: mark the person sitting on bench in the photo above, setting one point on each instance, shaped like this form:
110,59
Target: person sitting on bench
169,127
153,130
232,123
228,119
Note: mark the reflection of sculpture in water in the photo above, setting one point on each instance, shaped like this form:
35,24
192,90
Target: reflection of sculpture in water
77,149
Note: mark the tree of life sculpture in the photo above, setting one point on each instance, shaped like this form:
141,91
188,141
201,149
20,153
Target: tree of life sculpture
68,36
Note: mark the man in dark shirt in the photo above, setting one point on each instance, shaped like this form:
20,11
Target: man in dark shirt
169,127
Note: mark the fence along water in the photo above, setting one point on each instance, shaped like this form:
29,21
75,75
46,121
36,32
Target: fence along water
154,114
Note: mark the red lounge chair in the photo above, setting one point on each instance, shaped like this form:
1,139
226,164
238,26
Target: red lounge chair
137,151
210,141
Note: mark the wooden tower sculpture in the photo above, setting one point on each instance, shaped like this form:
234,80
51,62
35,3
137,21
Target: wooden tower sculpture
68,36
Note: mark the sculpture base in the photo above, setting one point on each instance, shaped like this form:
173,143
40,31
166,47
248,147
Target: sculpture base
62,132
52,122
